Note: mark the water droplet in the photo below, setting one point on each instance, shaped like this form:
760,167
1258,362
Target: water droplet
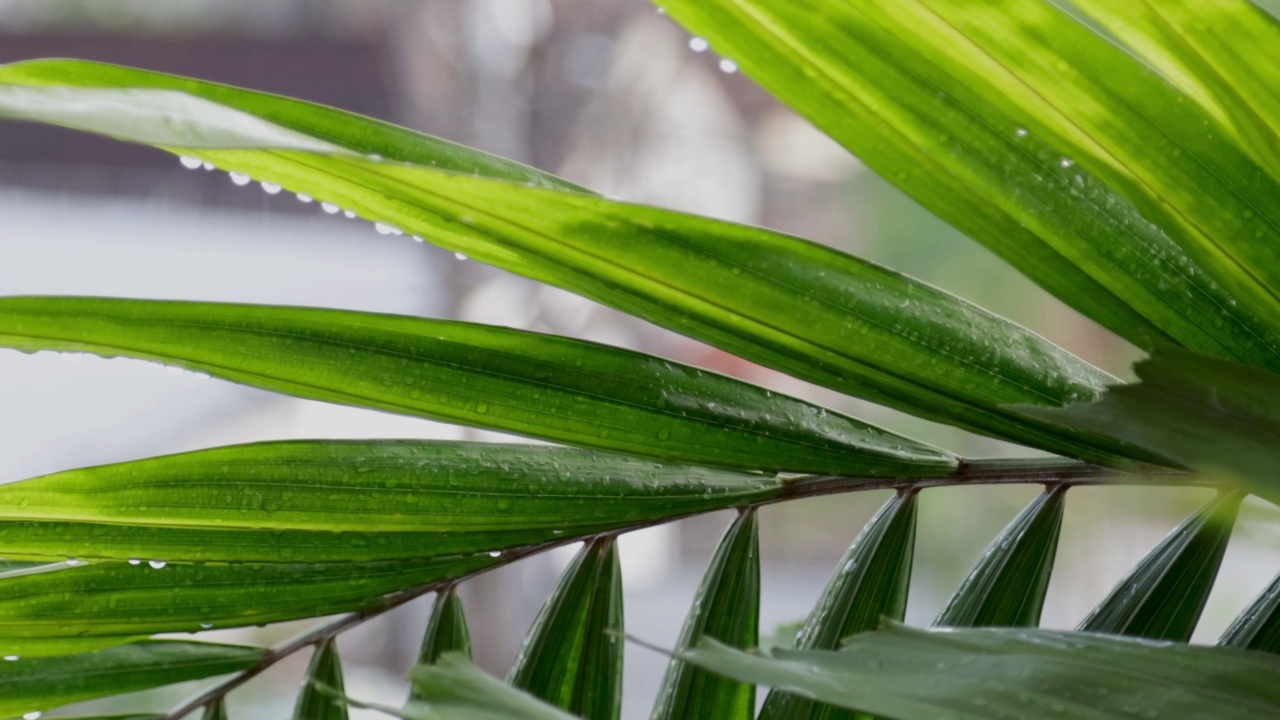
240,179
1065,162
329,208
385,229
304,198
206,626
418,238
157,564
135,561
459,256
190,163
73,561
698,44
1020,132
495,553
349,214
270,188
728,66
33,715
11,658
662,11
210,166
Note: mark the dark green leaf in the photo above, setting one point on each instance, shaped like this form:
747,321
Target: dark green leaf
911,674
1038,139
41,683
795,306
216,710
446,629
572,657
1162,597
1258,627
457,690
321,695
1008,585
114,717
726,608
1211,415
104,604
329,501
446,632
871,582
540,385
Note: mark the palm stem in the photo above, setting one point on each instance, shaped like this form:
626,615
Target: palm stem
989,471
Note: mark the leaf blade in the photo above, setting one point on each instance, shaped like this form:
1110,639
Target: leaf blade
727,608
321,695
737,293
1007,587
96,606
1204,49
1162,597
871,582
354,501
1258,626
38,684
572,656
903,88
539,385
1014,673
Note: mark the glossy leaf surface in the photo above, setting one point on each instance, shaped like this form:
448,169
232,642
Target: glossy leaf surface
104,604
328,501
1007,587
870,583
1258,626
321,695
572,657
457,690
446,629
42,683
725,608
799,307
1210,415
446,632
1162,597
912,674
1020,127
540,385
1217,51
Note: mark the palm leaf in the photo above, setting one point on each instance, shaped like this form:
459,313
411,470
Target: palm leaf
329,501
317,700
1162,597
1032,135
1258,626
871,582
572,657
540,385
1008,585
807,310
911,674
727,608
42,683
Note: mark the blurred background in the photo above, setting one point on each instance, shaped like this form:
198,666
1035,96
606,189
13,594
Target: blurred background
608,93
